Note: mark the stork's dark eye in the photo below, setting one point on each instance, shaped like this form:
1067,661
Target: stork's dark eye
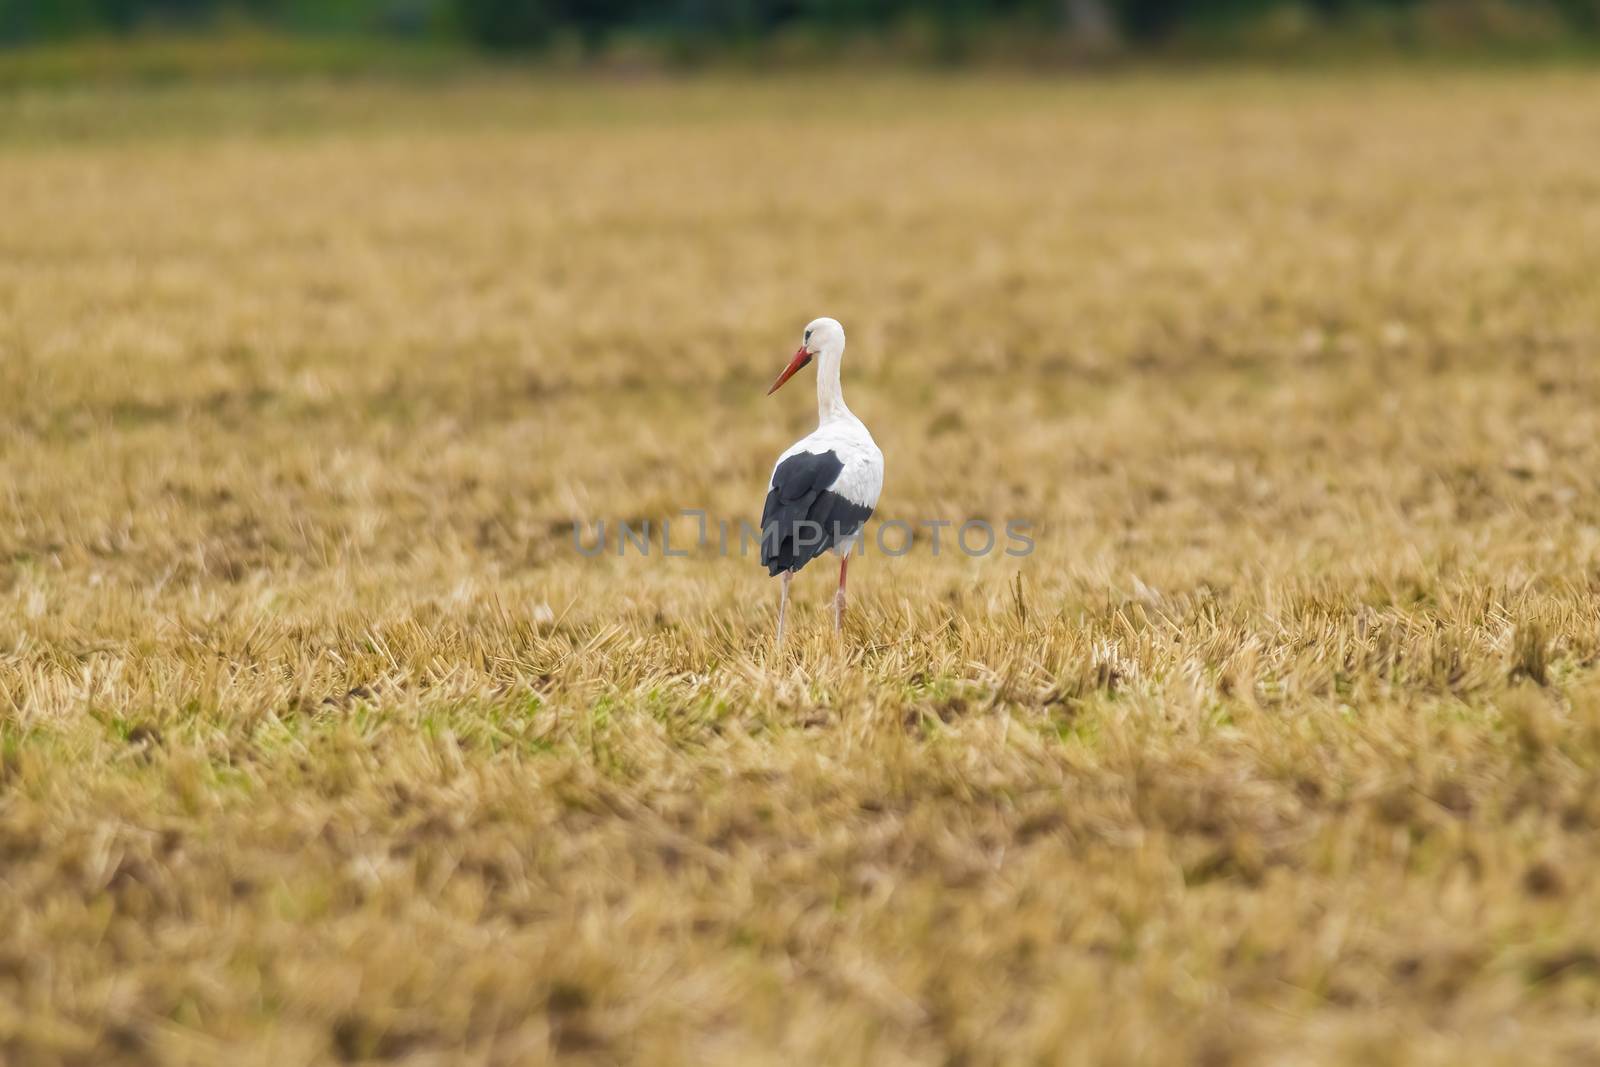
808,335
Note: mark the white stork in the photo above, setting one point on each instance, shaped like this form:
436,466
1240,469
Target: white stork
826,484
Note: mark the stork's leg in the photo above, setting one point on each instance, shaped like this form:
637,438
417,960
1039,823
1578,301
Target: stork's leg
783,604
838,598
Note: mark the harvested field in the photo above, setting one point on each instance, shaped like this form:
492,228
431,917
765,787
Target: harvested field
321,741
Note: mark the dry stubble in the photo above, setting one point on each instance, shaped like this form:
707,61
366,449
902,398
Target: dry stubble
320,741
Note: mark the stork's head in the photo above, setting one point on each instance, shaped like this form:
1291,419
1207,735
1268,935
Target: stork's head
822,335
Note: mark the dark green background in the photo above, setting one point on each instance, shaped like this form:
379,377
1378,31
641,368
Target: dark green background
529,25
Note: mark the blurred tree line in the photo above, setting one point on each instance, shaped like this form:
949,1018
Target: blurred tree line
531,24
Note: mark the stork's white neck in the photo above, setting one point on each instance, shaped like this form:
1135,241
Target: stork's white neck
830,397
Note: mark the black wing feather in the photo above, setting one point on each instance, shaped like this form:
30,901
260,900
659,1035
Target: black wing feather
803,518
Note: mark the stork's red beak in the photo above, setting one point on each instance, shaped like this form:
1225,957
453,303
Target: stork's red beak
801,358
